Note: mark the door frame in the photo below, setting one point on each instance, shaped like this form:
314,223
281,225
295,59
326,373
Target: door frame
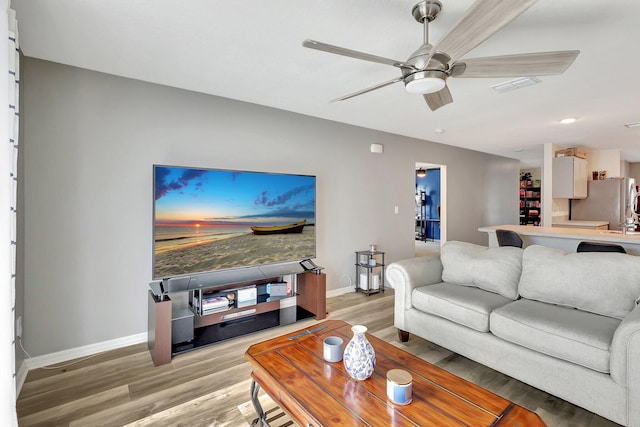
443,194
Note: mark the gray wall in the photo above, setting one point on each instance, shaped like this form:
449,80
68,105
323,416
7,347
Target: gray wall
89,144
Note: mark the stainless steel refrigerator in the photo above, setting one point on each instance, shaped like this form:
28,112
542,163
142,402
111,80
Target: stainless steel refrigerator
607,200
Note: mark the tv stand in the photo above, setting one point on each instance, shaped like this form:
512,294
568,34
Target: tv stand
177,323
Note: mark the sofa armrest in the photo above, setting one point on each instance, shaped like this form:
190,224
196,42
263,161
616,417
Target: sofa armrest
625,357
406,275
633,378
625,362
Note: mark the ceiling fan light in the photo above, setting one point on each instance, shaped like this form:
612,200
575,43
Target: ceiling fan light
425,85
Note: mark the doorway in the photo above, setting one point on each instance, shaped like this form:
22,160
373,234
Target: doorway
430,205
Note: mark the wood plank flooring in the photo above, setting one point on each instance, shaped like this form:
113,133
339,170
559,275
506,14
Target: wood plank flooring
210,386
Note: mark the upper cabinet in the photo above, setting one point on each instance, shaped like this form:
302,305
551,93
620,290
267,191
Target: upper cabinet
569,178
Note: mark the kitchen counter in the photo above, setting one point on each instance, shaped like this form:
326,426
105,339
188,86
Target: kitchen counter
594,225
565,238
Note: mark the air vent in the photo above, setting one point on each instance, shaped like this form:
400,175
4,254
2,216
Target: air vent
515,84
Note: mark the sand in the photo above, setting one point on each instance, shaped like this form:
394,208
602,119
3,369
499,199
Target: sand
239,251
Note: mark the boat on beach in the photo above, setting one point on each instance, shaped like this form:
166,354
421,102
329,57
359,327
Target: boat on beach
280,229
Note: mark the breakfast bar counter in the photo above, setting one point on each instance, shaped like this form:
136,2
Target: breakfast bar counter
593,225
565,238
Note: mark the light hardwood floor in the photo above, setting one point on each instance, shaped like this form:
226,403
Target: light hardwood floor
210,386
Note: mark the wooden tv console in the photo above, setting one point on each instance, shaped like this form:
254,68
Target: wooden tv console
309,295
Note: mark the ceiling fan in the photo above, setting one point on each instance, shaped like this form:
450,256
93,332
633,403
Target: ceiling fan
427,69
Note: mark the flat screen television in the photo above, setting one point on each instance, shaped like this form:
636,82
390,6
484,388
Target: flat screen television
208,220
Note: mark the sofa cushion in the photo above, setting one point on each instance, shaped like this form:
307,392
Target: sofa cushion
492,269
468,306
599,282
573,335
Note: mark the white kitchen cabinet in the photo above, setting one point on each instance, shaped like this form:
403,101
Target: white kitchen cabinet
569,178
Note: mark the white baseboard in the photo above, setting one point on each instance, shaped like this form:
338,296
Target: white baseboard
74,353
21,376
340,291
87,350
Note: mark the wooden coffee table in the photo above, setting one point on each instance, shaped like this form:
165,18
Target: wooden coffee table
318,393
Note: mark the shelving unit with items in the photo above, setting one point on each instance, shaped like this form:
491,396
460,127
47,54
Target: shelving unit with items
370,272
530,200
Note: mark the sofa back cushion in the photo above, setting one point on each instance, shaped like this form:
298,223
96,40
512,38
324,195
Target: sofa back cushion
492,269
604,283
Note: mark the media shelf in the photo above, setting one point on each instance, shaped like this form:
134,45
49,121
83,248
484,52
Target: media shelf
185,321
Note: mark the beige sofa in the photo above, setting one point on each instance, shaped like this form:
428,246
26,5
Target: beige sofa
568,324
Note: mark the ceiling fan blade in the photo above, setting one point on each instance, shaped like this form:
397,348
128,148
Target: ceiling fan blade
312,44
480,21
438,99
369,89
526,64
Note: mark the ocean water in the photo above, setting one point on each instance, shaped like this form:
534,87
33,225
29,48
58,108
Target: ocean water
168,238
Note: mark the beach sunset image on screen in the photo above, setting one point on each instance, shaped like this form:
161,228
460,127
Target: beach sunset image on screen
213,219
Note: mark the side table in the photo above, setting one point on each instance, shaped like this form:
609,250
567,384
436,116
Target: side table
370,272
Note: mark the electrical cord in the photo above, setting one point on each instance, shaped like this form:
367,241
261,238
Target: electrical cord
23,349
345,281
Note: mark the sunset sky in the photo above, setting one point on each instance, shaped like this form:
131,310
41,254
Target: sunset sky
185,196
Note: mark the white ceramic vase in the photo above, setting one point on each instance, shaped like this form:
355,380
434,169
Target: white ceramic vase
359,357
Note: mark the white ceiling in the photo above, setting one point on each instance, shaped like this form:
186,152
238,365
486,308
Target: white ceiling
251,51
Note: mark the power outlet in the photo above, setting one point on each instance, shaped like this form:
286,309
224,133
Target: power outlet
19,327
